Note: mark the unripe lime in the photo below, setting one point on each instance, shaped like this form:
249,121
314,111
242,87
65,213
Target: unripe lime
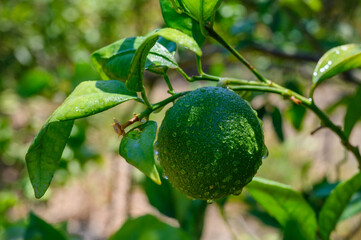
210,143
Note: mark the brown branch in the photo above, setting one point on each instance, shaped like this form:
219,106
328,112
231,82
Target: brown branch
120,128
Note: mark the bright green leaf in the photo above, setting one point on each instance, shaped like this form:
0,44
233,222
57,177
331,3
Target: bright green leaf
149,227
92,97
136,72
181,21
353,113
44,154
38,229
353,208
137,149
201,9
88,98
336,203
337,60
287,206
114,60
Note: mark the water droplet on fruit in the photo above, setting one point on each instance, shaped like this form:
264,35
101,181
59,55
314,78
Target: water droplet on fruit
265,152
209,201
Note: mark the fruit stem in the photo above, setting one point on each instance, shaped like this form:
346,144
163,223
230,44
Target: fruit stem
184,75
171,90
120,128
160,104
145,98
212,33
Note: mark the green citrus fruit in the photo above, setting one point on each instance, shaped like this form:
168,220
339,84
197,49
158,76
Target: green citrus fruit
210,143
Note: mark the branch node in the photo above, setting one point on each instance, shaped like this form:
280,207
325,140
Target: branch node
317,129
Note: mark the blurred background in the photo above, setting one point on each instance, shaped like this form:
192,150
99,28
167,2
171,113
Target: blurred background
45,48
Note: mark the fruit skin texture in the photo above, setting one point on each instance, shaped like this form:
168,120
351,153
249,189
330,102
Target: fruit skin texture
210,143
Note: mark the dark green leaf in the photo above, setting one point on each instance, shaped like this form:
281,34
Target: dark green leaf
92,97
277,123
136,72
353,113
296,114
137,149
337,60
169,201
287,206
44,154
38,229
181,21
161,196
150,228
336,204
114,60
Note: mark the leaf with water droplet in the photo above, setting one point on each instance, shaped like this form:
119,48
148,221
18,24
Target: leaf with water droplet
114,61
92,97
337,60
135,76
88,98
137,149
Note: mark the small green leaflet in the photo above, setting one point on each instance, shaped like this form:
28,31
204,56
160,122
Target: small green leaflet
135,78
353,113
114,60
287,206
181,22
337,60
137,149
335,204
88,98
149,227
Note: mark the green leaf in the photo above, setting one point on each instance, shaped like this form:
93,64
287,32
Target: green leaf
38,229
353,208
136,72
44,154
137,149
92,97
336,204
172,203
201,9
277,123
287,206
181,22
88,98
337,60
296,114
161,196
114,60
149,227
353,113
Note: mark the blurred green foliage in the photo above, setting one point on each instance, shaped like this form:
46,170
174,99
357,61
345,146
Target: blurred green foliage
45,48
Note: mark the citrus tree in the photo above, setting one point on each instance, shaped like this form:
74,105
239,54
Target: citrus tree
210,143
